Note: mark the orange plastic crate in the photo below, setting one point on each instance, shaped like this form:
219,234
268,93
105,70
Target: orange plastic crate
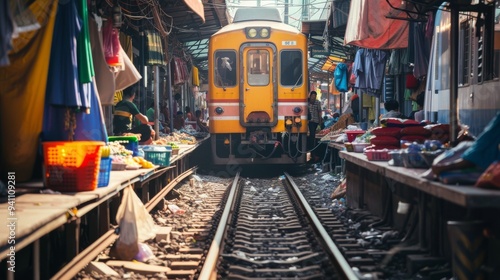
72,166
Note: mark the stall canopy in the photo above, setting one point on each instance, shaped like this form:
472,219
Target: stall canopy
371,25
331,62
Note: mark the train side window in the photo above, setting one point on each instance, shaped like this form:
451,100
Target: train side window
464,53
291,68
225,68
258,67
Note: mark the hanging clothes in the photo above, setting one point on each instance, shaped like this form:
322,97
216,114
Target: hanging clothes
65,123
340,77
196,77
398,62
85,65
154,53
369,68
23,85
358,68
6,30
63,87
104,78
91,126
422,51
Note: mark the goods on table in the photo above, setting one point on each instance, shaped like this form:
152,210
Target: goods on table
183,138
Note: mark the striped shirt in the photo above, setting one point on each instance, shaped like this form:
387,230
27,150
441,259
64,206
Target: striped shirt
315,110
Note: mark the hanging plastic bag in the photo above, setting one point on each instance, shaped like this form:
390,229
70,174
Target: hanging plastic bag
135,223
111,45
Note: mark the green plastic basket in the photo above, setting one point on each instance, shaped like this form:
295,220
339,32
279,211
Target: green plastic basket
161,158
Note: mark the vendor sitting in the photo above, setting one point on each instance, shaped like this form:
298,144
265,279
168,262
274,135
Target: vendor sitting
124,112
202,126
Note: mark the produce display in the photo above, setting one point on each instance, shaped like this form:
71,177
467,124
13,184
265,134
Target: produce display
120,156
175,137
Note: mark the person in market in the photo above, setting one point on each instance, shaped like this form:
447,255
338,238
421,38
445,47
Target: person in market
202,126
179,121
150,113
419,114
314,118
392,108
123,115
189,115
354,100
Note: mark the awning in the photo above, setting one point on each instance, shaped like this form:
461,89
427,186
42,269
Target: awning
330,63
197,7
368,27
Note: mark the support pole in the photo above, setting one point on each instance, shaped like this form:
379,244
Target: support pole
156,94
170,97
454,74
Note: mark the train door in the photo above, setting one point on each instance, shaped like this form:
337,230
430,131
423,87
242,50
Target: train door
258,90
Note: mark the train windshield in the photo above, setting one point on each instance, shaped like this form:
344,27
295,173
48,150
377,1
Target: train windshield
258,67
291,68
225,68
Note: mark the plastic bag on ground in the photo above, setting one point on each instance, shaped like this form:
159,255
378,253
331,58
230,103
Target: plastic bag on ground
136,225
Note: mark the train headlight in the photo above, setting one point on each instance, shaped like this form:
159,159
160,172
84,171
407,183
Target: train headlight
252,32
297,110
288,122
264,33
219,110
297,120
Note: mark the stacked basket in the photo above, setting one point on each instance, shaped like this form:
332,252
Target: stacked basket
71,166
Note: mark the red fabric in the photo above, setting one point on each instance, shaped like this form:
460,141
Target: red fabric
386,131
438,128
395,122
411,81
180,71
490,178
384,141
415,130
368,27
442,137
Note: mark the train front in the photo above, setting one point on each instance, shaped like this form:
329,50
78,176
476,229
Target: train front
258,93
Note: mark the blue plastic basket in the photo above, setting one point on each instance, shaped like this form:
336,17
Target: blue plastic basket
104,172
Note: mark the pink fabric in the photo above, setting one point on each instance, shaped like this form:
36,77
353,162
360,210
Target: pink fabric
368,27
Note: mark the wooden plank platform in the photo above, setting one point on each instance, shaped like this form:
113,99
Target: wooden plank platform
462,195
38,214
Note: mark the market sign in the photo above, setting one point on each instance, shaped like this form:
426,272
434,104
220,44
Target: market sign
320,52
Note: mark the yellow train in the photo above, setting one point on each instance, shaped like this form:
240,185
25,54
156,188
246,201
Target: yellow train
258,86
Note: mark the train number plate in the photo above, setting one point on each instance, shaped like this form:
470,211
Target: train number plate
288,43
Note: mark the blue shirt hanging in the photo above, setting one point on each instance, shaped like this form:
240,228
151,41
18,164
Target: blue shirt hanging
340,77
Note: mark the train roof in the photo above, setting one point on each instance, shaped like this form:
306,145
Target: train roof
257,14
260,16
273,25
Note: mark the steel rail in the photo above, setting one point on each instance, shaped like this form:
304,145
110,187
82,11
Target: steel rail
207,272
342,265
87,255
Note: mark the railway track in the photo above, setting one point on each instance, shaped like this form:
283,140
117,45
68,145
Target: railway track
270,232
219,228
